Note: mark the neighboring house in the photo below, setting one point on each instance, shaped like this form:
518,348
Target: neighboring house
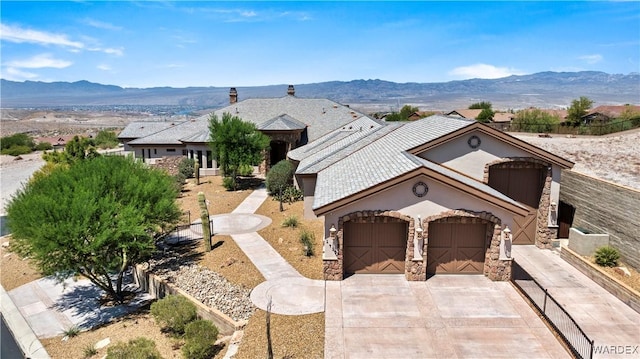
427,197
470,114
422,114
502,120
57,142
560,114
289,121
607,113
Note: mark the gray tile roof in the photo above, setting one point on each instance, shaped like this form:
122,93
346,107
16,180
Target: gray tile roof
144,128
321,116
386,158
173,135
283,122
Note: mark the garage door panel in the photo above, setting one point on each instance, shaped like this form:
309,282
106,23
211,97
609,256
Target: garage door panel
375,247
456,248
359,259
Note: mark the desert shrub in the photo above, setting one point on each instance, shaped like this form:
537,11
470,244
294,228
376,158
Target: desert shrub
607,256
89,351
291,221
16,150
106,139
187,167
292,194
279,177
200,337
179,179
245,170
43,146
138,348
307,239
72,331
19,139
173,313
229,183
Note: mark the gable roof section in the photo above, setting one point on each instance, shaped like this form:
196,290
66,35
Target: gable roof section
382,160
513,141
467,113
283,122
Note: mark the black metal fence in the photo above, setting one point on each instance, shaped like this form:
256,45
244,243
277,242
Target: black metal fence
563,324
186,232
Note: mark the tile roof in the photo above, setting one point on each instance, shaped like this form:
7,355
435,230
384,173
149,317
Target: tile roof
466,113
144,128
613,111
385,159
174,135
328,155
283,122
321,116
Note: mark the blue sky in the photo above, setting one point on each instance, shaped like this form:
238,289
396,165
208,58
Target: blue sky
207,43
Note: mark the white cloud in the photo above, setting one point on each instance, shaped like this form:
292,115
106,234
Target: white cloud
20,35
38,62
100,24
104,67
110,51
14,74
591,59
483,71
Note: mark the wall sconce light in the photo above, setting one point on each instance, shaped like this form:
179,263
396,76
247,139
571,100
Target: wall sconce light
507,239
332,230
553,213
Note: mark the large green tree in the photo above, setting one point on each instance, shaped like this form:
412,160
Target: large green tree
534,120
403,115
486,115
94,217
578,108
235,143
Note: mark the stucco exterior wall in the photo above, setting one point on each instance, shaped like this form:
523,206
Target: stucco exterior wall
458,155
400,198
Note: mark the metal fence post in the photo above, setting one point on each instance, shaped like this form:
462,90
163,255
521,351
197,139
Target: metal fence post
544,306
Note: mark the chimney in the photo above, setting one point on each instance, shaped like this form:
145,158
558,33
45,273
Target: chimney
233,96
291,91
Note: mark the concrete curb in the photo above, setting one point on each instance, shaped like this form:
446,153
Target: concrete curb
26,338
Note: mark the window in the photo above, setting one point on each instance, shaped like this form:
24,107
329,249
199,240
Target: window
209,160
171,150
155,151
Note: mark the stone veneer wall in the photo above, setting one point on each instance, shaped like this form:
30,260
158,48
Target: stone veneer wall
494,268
544,233
604,207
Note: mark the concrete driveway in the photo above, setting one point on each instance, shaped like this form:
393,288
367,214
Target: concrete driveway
455,316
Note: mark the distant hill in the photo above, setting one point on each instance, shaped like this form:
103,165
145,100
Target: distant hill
544,89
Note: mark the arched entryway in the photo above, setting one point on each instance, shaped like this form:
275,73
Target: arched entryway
528,181
277,151
375,242
464,242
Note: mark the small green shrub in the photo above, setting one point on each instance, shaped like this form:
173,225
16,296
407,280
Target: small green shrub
292,194
173,313
607,256
279,177
291,221
307,239
106,139
186,167
200,337
138,348
72,332
245,170
16,140
229,183
43,146
16,150
89,351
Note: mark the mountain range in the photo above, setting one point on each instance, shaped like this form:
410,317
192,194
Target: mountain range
544,89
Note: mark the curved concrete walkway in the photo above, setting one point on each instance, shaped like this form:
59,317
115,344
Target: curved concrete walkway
289,292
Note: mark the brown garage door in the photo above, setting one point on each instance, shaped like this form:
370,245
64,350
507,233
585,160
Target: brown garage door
456,248
525,185
374,247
